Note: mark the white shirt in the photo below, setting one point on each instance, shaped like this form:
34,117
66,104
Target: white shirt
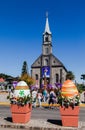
34,94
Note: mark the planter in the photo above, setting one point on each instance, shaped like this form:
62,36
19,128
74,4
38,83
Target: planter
21,114
69,116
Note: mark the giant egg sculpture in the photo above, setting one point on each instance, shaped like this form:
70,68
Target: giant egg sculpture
21,89
69,90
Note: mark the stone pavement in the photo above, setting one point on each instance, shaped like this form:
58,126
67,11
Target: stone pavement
39,124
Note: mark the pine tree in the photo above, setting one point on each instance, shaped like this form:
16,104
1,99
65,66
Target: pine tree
25,75
24,68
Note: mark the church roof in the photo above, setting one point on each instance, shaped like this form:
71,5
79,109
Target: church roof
55,62
37,62
47,28
58,62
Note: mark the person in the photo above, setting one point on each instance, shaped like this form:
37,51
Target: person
52,97
44,95
45,72
39,97
34,97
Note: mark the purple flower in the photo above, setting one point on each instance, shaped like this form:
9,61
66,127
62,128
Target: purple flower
49,86
58,85
32,87
15,83
42,85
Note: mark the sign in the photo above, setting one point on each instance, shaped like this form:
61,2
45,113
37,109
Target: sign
46,71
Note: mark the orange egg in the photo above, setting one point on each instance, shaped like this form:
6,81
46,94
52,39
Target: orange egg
69,89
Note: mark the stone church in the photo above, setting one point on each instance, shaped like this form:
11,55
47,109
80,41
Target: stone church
47,65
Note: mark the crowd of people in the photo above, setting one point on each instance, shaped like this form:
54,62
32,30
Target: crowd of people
39,96
46,96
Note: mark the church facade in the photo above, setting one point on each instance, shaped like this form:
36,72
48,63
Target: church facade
47,66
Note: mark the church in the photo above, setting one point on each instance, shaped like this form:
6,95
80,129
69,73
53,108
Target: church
47,66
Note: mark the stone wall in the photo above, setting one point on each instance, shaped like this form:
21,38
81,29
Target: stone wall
3,97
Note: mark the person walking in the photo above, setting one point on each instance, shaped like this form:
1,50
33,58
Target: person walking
39,97
52,97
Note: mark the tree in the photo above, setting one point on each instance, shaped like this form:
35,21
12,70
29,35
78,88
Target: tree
24,68
5,76
83,76
80,87
27,78
70,75
25,75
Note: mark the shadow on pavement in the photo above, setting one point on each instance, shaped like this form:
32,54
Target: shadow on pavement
56,122
9,119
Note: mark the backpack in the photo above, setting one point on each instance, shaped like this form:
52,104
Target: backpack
51,95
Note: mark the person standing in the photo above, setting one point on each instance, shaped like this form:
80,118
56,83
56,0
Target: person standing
44,95
34,97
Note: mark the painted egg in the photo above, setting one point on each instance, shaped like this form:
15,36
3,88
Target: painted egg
21,89
69,89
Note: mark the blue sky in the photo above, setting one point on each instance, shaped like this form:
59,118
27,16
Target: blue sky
22,23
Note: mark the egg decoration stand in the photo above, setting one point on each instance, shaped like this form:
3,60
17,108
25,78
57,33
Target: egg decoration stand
69,115
21,113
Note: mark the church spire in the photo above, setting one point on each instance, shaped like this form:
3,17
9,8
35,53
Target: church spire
47,39
47,28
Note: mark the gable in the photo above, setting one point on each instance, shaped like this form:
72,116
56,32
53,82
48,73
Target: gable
37,62
57,63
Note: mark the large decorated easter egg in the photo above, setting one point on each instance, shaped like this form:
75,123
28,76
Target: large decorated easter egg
21,89
69,89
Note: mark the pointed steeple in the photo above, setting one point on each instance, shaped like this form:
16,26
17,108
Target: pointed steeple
47,39
47,28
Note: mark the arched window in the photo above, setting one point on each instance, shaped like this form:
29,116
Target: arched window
36,76
60,75
46,62
57,78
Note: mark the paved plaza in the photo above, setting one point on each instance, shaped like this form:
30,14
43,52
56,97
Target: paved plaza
41,119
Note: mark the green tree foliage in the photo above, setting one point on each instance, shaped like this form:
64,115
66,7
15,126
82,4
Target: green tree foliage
80,87
5,76
25,75
83,76
27,78
70,75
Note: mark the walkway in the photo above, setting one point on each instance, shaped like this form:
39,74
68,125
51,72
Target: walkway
38,122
